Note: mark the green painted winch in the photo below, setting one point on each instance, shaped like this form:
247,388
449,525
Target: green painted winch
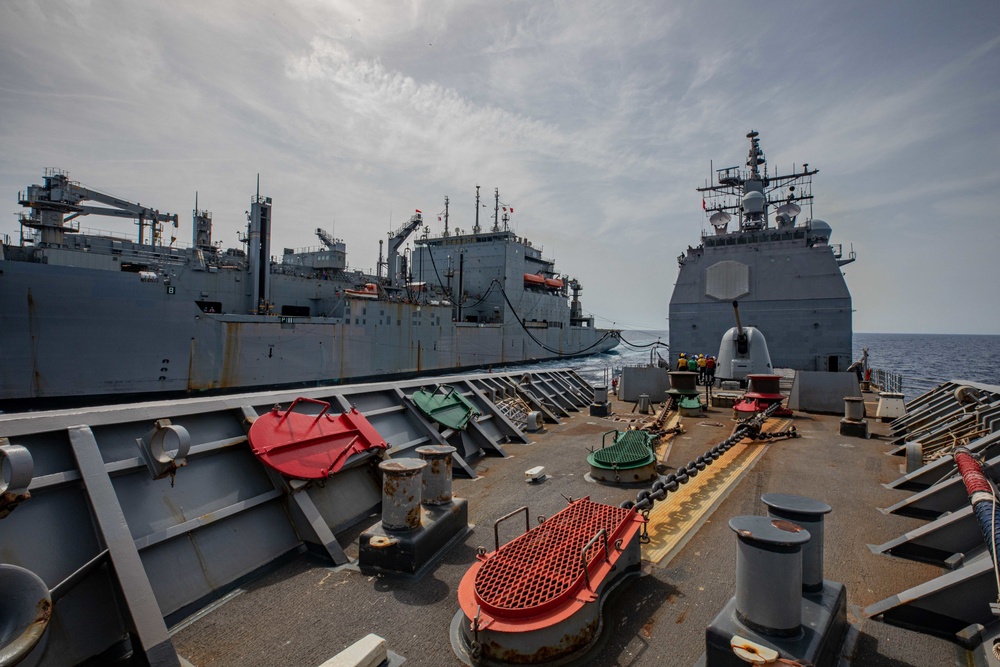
630,458
446,405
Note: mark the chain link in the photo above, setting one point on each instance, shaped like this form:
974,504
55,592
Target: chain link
746,428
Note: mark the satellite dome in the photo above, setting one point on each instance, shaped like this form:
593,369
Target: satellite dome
753,202
819,229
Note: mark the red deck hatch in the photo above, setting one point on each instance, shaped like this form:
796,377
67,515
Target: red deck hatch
305,446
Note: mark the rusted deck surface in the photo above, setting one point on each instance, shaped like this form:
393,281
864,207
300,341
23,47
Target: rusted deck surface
305,612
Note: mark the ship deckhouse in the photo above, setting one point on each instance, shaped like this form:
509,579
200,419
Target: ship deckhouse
777,260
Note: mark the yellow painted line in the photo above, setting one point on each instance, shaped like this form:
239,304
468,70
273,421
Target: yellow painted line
674,521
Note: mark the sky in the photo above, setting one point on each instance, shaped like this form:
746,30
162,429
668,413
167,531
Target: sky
596,121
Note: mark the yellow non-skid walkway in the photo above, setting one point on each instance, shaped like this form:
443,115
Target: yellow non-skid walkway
675,519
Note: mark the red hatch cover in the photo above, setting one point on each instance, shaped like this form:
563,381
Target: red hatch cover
538,579
305,446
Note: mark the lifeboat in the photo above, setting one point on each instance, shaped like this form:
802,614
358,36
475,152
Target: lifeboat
369,291
553,283
533,280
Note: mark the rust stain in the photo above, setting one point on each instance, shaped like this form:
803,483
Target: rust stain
192,383
36,376
231,356
43,611
413,517
567,644
681,617
381,542
786,526
395,466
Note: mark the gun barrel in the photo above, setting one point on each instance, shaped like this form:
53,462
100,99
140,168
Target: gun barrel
736,311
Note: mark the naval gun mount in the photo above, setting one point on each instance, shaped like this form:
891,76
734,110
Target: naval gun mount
743,351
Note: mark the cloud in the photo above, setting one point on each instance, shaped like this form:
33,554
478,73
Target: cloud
596,120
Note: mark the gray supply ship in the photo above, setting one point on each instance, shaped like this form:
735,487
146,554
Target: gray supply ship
784,273
88,315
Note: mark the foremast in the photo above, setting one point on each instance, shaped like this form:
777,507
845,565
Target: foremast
751,193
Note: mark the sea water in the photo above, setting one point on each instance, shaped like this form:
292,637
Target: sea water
923,360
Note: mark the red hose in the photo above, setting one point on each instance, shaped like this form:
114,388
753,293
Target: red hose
972,473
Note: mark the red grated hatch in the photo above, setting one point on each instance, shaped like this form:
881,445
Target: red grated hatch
542,567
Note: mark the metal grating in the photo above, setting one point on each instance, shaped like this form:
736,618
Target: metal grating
632,448
543,566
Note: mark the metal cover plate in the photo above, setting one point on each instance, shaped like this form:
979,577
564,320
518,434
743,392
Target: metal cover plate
303,446
446,406
631,449
543,569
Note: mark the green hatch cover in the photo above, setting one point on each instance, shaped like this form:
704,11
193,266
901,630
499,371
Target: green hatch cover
631,449
446,406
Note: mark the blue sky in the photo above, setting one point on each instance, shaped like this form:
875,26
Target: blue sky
595,119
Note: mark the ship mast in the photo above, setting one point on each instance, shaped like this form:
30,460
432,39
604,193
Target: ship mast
477,228
750,193
496,209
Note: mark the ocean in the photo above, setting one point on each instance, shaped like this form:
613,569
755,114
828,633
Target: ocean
923,360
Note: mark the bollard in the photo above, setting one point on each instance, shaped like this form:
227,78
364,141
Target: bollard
807,513
644,404
401,481
769,574
854,424
436,485
421,519
854,408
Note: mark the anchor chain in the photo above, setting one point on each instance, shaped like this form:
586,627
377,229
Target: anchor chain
750,428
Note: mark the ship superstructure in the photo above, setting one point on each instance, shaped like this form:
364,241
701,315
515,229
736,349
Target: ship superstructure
783,270
90,314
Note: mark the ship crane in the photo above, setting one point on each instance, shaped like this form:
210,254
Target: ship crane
395,241
59,196
326,238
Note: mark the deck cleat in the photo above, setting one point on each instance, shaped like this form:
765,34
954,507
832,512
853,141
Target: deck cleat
531,601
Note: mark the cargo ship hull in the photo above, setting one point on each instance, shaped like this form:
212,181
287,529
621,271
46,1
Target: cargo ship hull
93,316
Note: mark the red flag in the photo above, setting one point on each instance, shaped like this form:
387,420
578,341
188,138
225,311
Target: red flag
418,210
511,209
703,207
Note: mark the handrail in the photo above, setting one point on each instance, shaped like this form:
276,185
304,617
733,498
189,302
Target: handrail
496,525
583,552
304,399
